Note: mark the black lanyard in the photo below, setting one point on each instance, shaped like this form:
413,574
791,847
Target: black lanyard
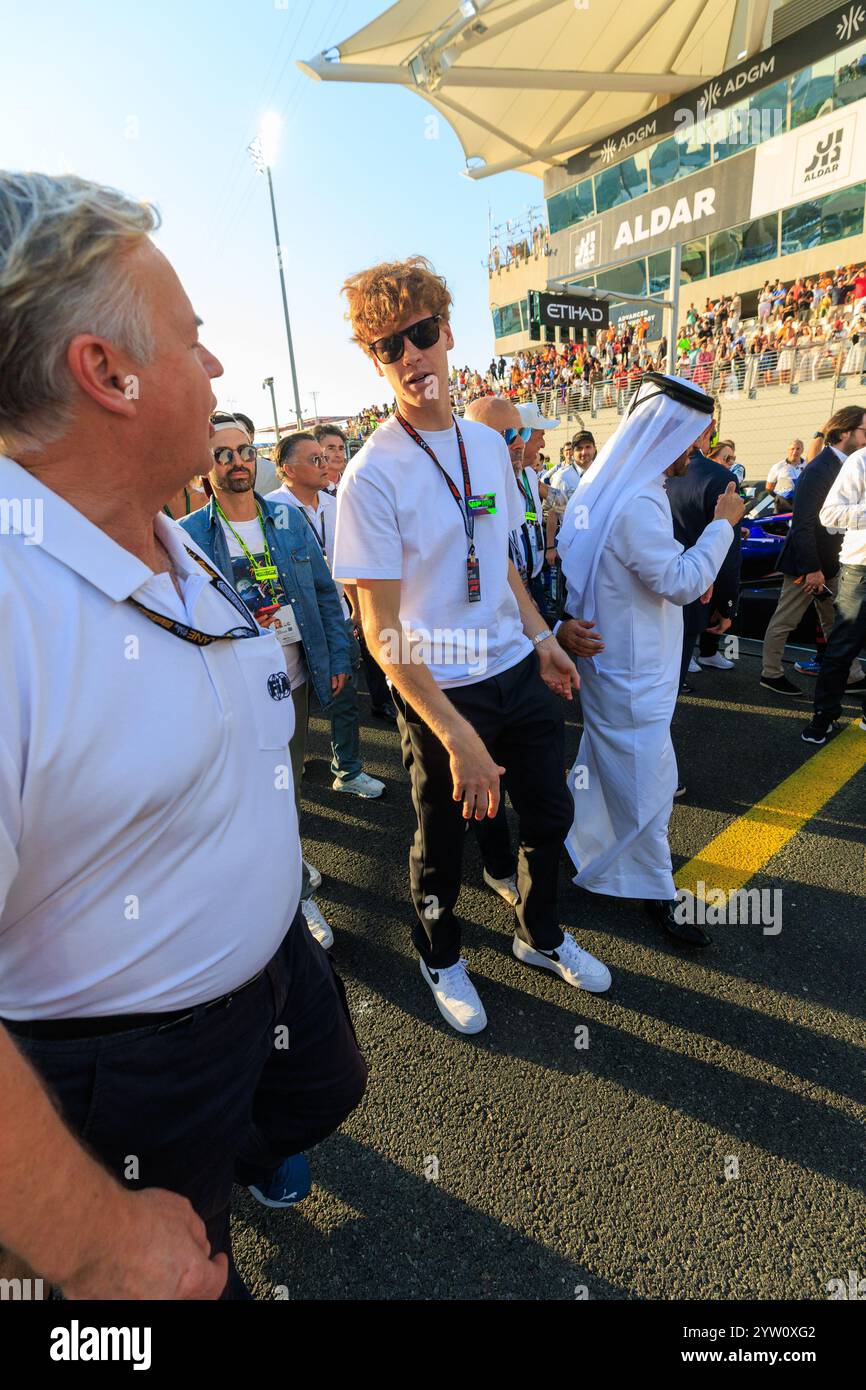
192,634
309,521
462,502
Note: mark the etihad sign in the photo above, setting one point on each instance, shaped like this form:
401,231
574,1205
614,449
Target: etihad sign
666,218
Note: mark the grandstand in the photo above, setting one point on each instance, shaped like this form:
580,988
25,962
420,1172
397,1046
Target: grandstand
668,177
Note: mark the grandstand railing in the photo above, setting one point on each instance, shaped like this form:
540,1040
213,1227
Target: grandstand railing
745,378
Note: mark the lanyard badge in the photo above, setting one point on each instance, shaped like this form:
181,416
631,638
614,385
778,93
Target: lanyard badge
473,577
470,504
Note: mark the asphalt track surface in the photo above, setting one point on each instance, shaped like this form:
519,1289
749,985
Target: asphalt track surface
596,1172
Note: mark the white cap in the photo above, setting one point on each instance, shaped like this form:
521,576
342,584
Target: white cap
532,417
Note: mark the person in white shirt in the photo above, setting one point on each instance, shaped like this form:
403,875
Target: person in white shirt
150,865
423,517
782,477
625,569
844,511
332,443
304,472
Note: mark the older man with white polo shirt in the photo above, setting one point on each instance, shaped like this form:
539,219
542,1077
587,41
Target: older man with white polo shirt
154,978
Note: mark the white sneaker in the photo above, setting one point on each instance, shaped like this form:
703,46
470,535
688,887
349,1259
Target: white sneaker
716,661
362,785
315,876
317,924
456,997
693,666
505,887
863,725
574,965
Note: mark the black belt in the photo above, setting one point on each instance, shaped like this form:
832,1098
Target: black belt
69,1029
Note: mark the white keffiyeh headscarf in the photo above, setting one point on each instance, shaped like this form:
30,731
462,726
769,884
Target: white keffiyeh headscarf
660,424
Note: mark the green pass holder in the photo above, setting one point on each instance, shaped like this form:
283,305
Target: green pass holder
483,502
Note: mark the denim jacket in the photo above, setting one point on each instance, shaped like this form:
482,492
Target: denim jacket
305,578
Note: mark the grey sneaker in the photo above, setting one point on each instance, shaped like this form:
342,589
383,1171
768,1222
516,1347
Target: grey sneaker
362,785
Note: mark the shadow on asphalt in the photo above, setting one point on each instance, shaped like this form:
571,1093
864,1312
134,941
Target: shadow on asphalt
410,1239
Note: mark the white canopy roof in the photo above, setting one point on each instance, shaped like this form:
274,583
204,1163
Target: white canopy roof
525,82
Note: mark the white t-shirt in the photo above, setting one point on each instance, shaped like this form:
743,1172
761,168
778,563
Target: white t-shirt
397,519
255,596
149,851
323,520
784,475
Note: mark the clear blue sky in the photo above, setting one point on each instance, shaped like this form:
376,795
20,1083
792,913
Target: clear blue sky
162,99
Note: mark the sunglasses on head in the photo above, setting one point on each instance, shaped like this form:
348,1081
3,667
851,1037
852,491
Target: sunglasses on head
422,334
246,453
510,435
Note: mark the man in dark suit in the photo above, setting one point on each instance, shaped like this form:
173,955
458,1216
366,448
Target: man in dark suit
810,556
693,500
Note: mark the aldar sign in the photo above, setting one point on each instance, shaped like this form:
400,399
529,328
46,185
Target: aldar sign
573,311
709,201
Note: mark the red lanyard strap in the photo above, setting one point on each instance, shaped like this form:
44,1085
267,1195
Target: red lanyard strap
462,502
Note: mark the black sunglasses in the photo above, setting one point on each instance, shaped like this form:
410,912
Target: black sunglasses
422,334
246,453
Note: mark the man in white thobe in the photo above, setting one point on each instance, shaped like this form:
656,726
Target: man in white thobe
626,573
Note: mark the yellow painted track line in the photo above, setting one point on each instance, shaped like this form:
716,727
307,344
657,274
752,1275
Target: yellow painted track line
749,843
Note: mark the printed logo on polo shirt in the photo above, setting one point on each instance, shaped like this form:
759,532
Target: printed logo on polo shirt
279,686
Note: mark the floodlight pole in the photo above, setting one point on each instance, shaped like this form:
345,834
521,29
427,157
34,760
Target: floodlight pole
674,302
285,300
257,154
266,384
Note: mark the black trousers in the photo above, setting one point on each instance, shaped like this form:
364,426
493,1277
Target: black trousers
695,617
844,643
522,724
377,685
222,1095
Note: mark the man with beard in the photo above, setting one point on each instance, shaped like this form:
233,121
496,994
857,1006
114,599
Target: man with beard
270,554
624,567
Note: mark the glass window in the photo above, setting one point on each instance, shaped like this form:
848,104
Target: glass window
659,272
570,206
625,279
682,154
823,219
626,180
750,122
746,245
694,262
812,90
850,77
511,318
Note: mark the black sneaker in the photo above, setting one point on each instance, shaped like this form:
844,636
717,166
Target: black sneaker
781,685
817,731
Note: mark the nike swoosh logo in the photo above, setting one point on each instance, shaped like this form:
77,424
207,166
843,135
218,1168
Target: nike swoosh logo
551,955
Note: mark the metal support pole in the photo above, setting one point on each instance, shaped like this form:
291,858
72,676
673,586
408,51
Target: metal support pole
269,382
285,301
674,292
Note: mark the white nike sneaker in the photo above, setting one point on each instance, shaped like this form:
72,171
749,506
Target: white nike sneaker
574,965
315,876
362,785
456,997
694,668
317,924
863,725
505,887
716,661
